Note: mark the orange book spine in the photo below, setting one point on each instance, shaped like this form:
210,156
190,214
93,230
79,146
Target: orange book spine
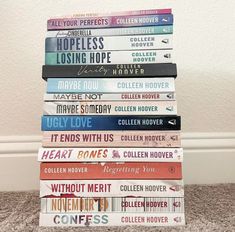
93,171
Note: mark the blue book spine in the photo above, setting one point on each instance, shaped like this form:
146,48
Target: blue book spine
124,85
123,31
70,123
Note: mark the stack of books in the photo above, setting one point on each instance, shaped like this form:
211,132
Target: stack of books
111,152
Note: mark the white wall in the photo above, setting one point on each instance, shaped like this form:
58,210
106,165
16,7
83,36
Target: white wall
204,38
204,47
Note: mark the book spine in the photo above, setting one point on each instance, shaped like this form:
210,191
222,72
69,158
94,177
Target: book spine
124,85
116,154
130,13
112,188
98,97
91,123
112,205
109,43
112,139
112,219
110,108
152,30
109,57
111,171
110,21
110,71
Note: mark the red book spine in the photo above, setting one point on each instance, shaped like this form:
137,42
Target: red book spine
93,171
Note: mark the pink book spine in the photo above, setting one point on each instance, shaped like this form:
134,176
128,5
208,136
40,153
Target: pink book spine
111,139
110,21
120,13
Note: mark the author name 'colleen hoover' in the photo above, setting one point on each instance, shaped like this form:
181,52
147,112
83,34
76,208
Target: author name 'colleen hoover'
120,70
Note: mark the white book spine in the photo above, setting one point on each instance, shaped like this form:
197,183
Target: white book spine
109,43
111,108
109,57
168,96
112,219
114,204
112,188
110,154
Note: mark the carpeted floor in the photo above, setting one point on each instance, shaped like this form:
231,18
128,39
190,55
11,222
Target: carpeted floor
208,208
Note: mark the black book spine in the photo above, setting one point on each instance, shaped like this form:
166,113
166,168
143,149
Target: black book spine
112,71
88,123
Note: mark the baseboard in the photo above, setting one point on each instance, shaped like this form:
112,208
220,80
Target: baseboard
208,158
